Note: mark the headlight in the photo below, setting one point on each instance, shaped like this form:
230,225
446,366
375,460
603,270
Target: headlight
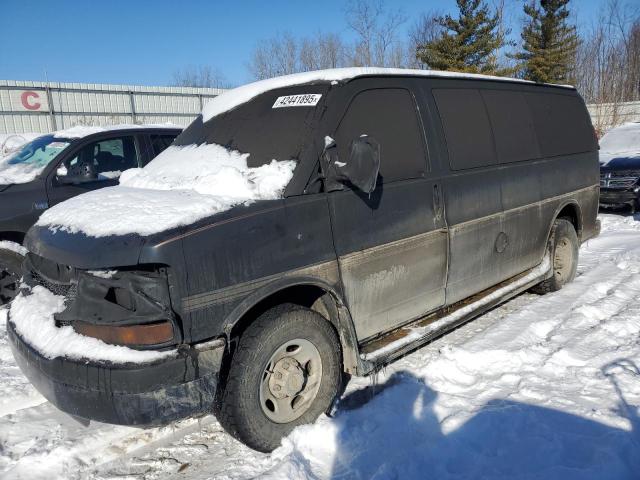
130,335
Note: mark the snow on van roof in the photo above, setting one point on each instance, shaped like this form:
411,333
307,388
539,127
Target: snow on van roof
237,96
80,131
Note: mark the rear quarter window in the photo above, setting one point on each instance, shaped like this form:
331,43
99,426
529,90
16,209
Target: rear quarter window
466,128
562,123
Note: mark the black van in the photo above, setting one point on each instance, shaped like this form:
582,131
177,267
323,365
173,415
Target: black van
59,166
419,201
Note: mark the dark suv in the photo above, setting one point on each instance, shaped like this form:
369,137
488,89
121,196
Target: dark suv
620,167
411,202
61,165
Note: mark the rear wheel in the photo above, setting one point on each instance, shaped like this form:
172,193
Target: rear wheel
285,372
564,257
10,273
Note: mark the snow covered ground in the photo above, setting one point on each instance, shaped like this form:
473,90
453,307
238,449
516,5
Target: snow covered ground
541,387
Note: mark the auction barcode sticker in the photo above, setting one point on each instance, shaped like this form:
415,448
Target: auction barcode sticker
303,100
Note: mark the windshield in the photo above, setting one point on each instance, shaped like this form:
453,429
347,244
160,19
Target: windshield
30,160
621,139
272,126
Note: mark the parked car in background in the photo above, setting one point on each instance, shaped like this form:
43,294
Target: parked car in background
620,167
303,229
54,167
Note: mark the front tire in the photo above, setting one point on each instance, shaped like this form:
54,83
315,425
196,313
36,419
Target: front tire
564,248
285,372
10,273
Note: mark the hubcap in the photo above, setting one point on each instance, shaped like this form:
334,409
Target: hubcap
8,286
290,381
563,260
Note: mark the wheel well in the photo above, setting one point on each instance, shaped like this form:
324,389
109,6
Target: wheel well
308,296
571,212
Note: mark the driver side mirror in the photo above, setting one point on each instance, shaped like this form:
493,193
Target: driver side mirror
360,169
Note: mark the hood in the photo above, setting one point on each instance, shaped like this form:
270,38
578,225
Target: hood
180,187
81,251
619,161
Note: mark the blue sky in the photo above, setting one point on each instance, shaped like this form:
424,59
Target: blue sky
144,42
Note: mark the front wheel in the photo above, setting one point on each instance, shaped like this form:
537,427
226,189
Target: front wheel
564,257
285,372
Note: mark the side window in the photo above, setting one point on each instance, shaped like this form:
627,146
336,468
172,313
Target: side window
562,123
512,125
102,160
159,143
389,116
466,128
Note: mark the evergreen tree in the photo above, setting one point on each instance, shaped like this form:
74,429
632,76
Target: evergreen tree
467,44
549,43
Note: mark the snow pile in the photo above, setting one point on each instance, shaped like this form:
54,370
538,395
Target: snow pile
13,246
180,186
237,96
32,316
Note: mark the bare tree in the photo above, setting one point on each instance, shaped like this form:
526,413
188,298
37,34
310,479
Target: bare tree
607,71
283,54
200,76
376,28
424,30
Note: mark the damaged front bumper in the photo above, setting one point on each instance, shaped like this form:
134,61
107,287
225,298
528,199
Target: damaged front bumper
182,385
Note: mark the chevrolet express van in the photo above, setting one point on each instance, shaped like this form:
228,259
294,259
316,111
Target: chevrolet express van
57,166
414,201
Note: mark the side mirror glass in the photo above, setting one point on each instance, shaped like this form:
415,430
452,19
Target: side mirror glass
362,167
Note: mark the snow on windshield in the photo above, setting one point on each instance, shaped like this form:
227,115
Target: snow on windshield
30,160
623,139
182,185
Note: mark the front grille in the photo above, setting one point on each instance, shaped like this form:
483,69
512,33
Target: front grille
619,179
58,279
67,290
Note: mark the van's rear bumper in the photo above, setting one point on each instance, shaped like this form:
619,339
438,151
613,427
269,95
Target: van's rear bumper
132,394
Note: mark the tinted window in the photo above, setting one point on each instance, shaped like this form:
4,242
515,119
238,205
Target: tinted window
160,143
103,160
390,117
466,128
512,124
562,123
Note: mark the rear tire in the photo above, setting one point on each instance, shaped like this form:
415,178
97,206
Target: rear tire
285,372
10,273
564,248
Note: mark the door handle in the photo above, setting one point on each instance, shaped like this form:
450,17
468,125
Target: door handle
437,202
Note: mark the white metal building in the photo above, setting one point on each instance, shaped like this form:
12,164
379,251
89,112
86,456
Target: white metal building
47,106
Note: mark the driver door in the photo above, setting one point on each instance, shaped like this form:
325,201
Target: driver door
391,244
97,164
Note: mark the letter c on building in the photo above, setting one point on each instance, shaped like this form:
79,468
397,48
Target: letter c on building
28,100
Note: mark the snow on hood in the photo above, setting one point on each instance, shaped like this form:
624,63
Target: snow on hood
622,141
237,96
33,318
81,131
182,185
